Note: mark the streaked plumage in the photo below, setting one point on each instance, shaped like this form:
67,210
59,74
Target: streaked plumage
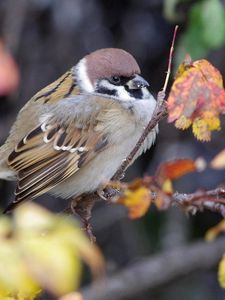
72,136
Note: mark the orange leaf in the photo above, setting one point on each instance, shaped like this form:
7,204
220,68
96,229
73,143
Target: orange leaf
209,72
175,169
218,161
197,97
137,202
9,73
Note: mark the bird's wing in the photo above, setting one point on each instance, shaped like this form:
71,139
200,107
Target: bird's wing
65,86
52,152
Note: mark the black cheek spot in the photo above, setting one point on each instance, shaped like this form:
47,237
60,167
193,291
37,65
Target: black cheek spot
105,91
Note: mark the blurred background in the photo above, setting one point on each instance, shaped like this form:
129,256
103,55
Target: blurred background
47,37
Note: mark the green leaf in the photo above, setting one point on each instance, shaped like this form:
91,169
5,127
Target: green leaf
205,30
213,23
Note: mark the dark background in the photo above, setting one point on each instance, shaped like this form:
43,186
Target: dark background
49,36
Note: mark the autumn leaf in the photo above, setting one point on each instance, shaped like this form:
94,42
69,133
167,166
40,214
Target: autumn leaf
197,98
174,169
218,161
139,194
43,250
213,232
137,201
221,272
9,73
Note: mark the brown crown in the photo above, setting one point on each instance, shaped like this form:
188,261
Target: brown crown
108,62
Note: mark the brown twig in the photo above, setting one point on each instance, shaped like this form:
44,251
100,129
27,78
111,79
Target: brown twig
170,60
213,200
158,114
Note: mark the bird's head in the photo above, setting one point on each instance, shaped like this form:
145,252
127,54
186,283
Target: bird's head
111,72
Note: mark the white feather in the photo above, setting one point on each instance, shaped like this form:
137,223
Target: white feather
82,77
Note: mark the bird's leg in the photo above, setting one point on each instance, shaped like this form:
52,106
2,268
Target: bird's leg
108,193
82,206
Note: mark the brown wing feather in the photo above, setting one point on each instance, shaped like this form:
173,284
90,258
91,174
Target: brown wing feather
51,153
61,88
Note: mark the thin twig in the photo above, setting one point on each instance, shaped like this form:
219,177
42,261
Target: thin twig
170,60
213,200
158,114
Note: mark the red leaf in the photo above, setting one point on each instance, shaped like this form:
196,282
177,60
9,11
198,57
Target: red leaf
197,98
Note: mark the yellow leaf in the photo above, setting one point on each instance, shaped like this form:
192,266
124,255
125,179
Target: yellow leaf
183,122
44,238
221,272
212,121
14,275
212,233
201,130
167,186
52,263
89,253
137,202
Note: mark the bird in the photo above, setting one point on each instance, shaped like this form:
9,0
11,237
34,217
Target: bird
71,137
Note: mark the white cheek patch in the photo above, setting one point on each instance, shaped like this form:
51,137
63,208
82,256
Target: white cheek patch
122,94
82,77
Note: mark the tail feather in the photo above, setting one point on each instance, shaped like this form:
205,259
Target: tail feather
11,207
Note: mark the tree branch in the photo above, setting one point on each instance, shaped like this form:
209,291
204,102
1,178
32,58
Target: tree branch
157,270
213,200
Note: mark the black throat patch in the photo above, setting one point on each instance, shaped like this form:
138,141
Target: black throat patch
137,94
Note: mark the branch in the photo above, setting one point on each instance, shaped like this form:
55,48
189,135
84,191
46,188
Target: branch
213,200
157,270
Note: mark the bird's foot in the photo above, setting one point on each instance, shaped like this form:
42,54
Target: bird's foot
82,207
109,194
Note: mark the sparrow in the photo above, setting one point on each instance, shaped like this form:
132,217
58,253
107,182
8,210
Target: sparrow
71,137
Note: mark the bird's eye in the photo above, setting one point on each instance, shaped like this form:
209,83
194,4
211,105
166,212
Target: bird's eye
115,80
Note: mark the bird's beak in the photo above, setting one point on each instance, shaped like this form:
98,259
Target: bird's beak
137,83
